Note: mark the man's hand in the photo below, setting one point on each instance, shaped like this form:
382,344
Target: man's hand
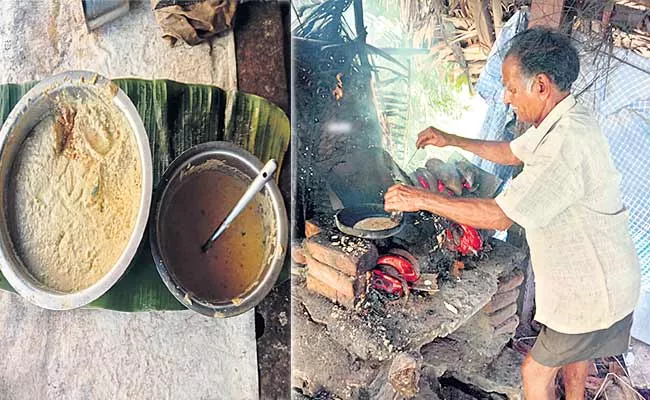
434,137
404,198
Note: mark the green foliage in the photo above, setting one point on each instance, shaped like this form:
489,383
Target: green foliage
385,8
437,86
411,97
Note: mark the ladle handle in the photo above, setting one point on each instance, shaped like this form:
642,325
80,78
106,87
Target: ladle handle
265,175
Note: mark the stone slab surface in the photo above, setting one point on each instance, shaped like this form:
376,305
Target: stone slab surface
503,375
422,319
638,363
319,363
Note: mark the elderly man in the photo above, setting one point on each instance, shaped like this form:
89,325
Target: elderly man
567,199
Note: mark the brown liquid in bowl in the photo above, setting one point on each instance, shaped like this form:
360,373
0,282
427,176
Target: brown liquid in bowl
204,197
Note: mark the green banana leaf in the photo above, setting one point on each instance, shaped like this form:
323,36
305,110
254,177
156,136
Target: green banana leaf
177,116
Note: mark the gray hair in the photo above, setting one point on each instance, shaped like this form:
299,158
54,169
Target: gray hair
545,51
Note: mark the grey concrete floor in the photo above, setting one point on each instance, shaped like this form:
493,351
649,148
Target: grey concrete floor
99,354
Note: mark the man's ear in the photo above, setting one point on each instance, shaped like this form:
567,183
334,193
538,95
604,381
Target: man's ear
542,85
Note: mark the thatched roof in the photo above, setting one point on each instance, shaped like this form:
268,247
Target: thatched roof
463,31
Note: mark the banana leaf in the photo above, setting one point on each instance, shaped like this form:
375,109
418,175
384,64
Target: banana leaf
177,116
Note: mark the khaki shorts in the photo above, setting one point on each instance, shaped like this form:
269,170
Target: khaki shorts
555,349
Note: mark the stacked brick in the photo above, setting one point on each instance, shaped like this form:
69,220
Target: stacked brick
502,309
337,265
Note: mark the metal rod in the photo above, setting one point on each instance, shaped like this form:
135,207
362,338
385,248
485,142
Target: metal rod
258,183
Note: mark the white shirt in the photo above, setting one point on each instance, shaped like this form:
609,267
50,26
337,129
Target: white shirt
567,198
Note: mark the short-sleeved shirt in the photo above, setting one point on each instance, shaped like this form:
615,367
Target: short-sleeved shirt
567,198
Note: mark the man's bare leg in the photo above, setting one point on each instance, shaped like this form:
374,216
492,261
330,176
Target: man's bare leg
538,379
575,375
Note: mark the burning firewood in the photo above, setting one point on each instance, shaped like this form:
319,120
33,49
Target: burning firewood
338,90
457,269
463,239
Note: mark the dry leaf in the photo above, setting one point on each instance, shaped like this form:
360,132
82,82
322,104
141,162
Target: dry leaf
338,90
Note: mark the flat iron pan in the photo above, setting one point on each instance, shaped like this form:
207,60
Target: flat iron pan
347,217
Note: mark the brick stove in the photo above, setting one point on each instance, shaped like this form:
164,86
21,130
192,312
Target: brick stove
356,347
461,331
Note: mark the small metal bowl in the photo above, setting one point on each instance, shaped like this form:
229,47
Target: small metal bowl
29,111
234,157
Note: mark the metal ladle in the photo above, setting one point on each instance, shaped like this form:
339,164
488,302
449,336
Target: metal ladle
413,156
398,215
258,183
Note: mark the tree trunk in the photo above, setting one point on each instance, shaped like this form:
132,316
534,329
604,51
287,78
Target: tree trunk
483,21
497,13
